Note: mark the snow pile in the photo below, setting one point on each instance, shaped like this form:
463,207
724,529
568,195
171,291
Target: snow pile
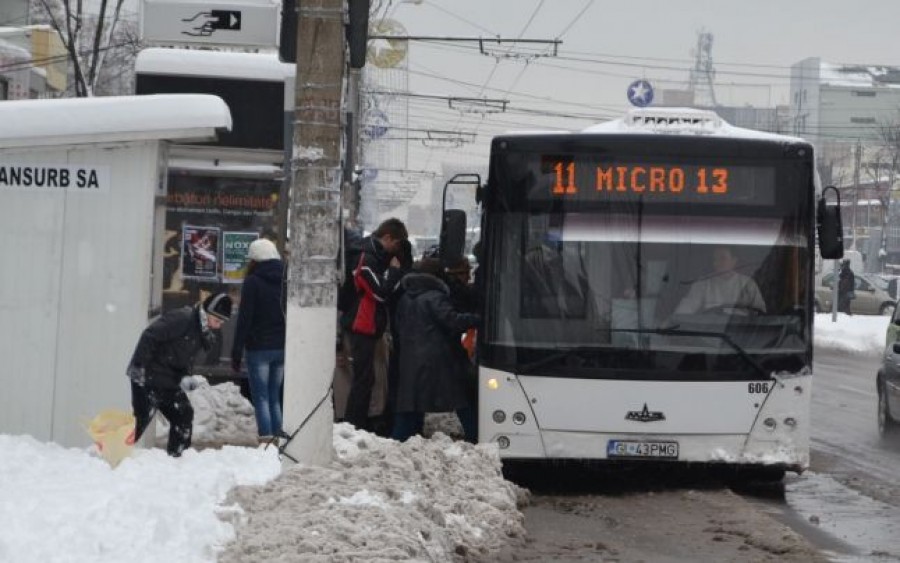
221,415
444,422
423,500
855,334
64,504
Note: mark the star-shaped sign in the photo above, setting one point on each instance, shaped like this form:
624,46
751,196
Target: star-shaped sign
640,93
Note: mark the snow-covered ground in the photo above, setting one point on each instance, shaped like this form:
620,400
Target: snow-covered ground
426,500
854,334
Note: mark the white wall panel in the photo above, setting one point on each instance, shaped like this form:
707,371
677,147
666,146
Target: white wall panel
107,247
74,289
29,303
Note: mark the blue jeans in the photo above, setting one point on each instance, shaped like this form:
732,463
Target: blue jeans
407,425
266,371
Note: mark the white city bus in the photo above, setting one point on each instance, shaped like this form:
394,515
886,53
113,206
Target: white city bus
612,327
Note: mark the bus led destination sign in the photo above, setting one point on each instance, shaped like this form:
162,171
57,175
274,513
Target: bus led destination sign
568,178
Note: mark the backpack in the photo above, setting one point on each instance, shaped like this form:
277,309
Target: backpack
352,251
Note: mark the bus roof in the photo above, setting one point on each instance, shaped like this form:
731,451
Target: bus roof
213,64
672,121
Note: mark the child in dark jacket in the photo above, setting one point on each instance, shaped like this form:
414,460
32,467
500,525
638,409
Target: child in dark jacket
163,357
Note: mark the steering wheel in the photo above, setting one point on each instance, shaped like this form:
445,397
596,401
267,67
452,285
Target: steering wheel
727,309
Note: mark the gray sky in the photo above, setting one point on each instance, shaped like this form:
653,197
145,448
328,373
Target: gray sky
612,44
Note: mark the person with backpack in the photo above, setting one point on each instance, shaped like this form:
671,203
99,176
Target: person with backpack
261,331
164,355
376,273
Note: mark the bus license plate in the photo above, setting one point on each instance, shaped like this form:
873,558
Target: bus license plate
656,450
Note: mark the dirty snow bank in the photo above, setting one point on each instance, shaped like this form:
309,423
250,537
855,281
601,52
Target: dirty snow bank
423,500
221,415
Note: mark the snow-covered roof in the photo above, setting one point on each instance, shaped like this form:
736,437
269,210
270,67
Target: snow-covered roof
14,52
182,117
681,121
669,121
216,64
224,166
858,76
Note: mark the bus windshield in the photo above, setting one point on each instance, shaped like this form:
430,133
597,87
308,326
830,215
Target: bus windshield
591,274
686,295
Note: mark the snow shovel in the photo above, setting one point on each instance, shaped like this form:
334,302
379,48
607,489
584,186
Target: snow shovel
113,433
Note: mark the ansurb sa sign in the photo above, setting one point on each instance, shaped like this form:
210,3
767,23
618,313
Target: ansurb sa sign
54,177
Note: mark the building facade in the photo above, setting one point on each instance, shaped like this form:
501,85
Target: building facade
851,113
33,63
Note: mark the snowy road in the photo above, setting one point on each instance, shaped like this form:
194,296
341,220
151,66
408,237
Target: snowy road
852,493
845,440
847,508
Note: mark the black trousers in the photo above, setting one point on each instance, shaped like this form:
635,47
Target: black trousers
363,349
173,404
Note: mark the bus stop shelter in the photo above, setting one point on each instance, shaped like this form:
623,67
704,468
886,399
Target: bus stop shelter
82,194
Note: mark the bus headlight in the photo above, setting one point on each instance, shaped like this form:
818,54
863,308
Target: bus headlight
790,422
493,384
503,442
518,418
770,423
499,416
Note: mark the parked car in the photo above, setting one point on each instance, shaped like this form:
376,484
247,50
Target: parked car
888,381
872,297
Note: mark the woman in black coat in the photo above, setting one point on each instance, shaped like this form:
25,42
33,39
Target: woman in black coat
433,363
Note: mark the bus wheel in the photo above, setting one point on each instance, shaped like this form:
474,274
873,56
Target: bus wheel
887,309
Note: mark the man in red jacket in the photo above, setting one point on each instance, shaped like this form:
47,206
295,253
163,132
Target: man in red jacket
375,276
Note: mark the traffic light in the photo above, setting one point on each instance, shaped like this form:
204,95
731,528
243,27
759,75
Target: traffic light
287,46
358,32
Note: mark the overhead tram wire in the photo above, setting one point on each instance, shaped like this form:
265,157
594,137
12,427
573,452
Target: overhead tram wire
602,58
435,76
426,98
679,69
460,18
525,67
576,18
544,63
505,125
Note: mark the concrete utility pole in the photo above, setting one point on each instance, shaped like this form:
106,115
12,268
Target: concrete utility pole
856,164
314,228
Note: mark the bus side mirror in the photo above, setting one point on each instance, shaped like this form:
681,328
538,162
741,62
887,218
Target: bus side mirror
453,237
829,227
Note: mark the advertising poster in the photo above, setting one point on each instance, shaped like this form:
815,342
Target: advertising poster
200,252
230,205
234,255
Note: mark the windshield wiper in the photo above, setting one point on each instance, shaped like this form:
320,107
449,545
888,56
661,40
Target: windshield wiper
674,331
560,355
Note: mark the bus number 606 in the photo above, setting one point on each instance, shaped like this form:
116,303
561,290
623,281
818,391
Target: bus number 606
758,387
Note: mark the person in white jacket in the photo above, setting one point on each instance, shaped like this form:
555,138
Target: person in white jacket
725,288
